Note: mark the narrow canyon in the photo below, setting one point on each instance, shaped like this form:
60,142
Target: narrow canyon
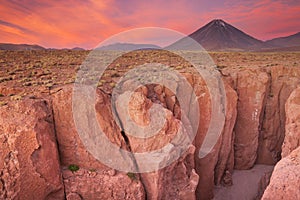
259,142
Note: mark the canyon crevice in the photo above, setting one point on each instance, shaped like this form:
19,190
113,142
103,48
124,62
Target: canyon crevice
39,141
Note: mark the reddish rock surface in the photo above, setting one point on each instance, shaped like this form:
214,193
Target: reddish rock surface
283,81
138,111
225,161
104,184
202,166
251,89
213,167
292,125
29,162
263,184
285,180
71,148
178,180
271,127
263,82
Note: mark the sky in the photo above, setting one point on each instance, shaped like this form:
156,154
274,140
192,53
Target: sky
77,23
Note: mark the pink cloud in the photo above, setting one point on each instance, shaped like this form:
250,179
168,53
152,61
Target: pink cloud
77,23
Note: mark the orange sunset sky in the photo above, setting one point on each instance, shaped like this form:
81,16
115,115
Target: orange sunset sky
78,23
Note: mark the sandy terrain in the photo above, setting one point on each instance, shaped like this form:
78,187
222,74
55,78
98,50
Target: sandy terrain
245,184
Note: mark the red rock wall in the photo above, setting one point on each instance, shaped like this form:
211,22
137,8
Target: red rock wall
292,124
283,81
257,118
29,162
260,126
251,90
285,180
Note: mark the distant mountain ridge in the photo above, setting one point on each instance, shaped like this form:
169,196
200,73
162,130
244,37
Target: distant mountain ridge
128,46
288,41
14,47
78,49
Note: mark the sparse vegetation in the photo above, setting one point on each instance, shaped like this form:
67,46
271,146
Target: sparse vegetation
131,175
73,168
16,97
8,78
34,72
3,103
92,170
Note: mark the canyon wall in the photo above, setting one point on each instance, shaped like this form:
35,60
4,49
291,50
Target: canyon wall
285,180
29,160
40,141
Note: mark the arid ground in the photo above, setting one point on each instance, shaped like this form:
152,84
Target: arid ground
30,73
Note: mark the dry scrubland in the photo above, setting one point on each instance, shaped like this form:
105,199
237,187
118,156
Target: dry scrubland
42,156
33,73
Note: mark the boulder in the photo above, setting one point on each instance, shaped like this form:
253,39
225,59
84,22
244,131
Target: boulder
176,181
285,179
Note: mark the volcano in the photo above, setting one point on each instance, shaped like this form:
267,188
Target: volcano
218,35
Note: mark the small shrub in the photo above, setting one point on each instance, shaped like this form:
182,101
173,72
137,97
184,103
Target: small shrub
131,175
3,103
16,97
73,168
221,66
3,79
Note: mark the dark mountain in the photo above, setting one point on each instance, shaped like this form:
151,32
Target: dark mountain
281,49
73,49
78,49
128,46
19,47
289,41
219,35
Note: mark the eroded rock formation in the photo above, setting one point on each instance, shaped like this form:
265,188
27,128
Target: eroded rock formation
29,162
251,89
292,124
283,80
285,180
257,121
102,184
